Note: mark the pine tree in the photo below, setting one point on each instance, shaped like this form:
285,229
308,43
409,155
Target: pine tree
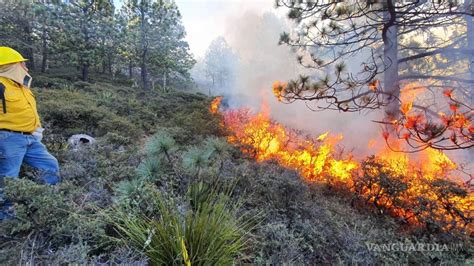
155,35
394,39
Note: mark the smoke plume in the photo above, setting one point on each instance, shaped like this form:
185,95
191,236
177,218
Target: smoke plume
263,61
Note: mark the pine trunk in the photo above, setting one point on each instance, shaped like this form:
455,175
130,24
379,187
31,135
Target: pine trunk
164,82
144,73
391,79
213,84
29,50
85,72
44,52
470,42
109,65
144,46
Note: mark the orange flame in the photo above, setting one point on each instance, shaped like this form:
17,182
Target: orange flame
215,104
314,158
318,159
278,88
373,85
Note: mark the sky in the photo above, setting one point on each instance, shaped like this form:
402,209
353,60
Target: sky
205,20
263,61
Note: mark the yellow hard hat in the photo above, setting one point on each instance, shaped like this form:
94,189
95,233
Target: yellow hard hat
10,56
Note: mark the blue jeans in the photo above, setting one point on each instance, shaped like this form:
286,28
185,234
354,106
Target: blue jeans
16,148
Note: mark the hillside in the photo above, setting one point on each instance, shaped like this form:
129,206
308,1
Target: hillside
161,170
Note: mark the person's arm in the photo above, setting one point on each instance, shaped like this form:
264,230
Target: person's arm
38,133
2,97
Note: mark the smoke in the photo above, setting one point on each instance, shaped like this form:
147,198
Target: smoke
254,36
263,61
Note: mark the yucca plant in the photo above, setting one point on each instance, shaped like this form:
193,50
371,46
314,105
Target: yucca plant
136,194
198,193
218,149
195,159
215,233
161,144
149,169
128,189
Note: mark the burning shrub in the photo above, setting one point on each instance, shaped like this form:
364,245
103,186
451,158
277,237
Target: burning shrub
438,204
392,182
444,205
378,185
264,139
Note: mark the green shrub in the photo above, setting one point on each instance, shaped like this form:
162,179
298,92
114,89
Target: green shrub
213,234
136,194
118,140
82,85
73,112
48,82
195,159
161,144
118,125
64,212
149,169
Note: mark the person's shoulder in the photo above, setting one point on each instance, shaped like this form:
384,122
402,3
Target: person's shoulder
6,81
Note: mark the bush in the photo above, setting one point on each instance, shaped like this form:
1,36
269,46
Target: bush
70,113
380,186
439,205
52,217
49,82
147,195
212,234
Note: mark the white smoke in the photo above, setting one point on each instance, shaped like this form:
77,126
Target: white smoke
263,62
254,36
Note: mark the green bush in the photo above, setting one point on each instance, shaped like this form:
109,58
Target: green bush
49,82
52,215
161,144
70,113
152,198
215,233
196,159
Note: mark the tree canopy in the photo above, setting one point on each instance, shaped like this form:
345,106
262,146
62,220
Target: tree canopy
95,35
417,65
220,63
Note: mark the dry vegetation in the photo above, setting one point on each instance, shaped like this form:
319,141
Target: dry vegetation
162,172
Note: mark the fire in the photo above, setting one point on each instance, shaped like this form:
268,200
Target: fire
425,127
215,105
323,136
374,85
278,88
372,144
416,188
410,92
264,139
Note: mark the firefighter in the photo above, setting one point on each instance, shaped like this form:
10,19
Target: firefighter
20,127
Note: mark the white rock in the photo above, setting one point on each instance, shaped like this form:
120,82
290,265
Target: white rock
79,140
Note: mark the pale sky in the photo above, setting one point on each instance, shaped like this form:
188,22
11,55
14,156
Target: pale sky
205,20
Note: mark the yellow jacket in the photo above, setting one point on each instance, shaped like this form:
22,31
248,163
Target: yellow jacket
20,106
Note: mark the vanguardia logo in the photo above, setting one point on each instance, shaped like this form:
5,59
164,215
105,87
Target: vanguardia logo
412,247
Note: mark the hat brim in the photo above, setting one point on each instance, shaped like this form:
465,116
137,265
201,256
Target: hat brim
13,62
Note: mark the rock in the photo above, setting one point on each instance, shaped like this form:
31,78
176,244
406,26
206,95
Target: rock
79,140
